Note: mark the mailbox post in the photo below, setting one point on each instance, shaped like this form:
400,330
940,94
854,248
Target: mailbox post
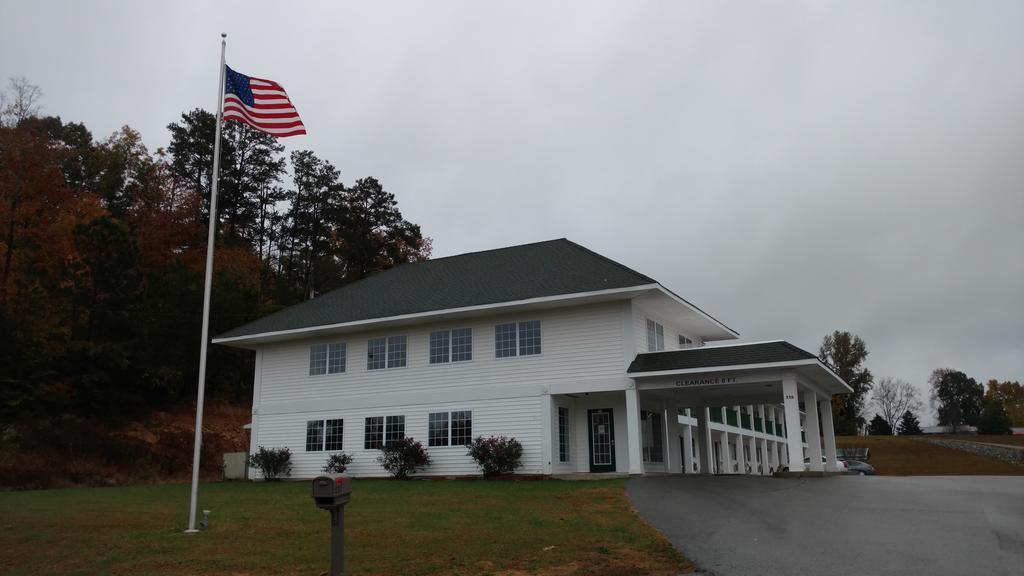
332,493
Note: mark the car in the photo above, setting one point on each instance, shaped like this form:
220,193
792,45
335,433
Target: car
839,464
860,468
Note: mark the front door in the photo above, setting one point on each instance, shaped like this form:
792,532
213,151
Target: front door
601,440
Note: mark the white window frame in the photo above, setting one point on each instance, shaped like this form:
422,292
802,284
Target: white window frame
323,434
387,353
657,331
449,420
685,342
450,355
518,344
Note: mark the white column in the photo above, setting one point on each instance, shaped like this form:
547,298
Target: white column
830,435
752,444
687,449
791,404
673,459
763,457
704,450
726,454
741,458
812,430
547,423
636,465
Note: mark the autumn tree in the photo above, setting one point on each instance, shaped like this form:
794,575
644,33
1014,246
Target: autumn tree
846,353
1011,395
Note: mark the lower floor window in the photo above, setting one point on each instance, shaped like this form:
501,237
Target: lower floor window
314,436
651,434
563,434
394,429
450,428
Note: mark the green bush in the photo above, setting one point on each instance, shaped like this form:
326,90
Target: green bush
496,455
273,463
337,463
403,457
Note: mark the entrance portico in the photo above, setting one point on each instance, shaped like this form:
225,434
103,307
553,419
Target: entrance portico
744,408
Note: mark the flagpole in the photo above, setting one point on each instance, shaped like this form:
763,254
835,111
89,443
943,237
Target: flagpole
211,236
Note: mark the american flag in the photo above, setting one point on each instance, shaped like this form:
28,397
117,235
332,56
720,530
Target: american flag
262,104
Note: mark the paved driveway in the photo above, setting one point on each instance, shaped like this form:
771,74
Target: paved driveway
924,525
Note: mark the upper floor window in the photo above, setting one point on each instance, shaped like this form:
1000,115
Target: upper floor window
655,336
517,339
451,345
389,352
685,342
326,359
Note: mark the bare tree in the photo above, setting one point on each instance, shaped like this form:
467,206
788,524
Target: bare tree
20,101
892,397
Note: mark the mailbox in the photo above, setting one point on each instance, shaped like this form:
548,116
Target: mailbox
332,493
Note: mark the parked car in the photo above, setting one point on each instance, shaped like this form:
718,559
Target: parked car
839,465
860,468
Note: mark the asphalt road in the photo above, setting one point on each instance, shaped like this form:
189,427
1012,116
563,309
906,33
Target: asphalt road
922,525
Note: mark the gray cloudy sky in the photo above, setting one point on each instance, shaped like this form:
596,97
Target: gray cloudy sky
790,167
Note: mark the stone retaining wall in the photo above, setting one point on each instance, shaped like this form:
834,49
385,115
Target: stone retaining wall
1011,454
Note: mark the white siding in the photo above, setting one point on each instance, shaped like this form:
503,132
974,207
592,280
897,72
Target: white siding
579,345
519,417
640,316
582,349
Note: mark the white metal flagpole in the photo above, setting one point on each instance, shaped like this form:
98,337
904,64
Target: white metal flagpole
211,236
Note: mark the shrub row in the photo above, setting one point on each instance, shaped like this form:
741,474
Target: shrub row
494,456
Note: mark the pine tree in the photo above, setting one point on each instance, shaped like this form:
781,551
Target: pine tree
994,419
879,427
908,425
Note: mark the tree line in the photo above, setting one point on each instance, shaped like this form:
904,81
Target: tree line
958,400
102,248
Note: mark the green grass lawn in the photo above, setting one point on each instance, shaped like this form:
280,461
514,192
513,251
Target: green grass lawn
415,527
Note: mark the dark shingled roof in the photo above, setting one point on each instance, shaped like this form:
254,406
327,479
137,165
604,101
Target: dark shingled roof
551,268
711,356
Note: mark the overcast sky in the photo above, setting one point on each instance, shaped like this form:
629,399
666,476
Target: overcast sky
791,168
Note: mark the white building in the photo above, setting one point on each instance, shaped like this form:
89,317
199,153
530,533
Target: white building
592,366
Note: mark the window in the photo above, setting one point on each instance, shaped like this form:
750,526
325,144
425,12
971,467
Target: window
517,339
396,351
451,345
440,346
394,429
317,359
437,429
685,342
387,352
374,433
459,433
651,434
334,436
655,336
326,359
563,434
529,338
376,355
462,344
462,427
314,436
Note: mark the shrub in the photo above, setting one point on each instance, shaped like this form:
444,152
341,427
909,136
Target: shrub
337,463
403,457
496,454
273,463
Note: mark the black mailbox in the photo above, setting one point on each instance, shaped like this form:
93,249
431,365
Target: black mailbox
332,493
